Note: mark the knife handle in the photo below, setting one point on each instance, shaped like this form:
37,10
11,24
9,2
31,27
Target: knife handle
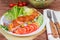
58,27
54,30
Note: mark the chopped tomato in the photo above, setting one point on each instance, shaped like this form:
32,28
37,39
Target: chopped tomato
31,28
19,31
27,29
16,32
24,30
35,26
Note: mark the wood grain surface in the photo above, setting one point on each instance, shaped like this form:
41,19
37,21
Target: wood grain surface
4,7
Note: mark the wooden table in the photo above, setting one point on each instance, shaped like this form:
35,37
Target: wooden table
4,7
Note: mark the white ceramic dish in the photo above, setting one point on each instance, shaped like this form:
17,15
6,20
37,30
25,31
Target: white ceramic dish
33,33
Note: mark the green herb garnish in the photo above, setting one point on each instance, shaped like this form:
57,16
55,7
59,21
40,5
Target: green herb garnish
5,27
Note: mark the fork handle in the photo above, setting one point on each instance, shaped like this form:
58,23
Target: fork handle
54,30
58,27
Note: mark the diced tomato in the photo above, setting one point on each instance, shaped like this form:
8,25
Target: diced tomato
16,32
19,31
27,29
24,30
35,26
31,28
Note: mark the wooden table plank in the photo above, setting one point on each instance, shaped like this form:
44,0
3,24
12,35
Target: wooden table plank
2,37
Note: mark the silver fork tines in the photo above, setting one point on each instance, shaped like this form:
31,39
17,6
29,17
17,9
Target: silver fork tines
49,14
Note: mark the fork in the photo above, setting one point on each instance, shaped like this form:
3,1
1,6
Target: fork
52,25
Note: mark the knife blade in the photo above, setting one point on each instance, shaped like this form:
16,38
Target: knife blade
54,17
56,23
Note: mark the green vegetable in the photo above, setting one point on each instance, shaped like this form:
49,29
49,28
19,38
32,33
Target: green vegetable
9,15
5,27
13,13
27,11
21,11
40,20
17,11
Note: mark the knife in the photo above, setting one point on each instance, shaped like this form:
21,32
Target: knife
56,23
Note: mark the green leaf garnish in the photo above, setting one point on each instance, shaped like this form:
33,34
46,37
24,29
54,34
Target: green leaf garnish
5,27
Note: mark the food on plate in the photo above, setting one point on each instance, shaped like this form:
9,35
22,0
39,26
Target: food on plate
26,29
23,20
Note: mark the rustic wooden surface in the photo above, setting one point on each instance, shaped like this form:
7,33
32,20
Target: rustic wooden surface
4,7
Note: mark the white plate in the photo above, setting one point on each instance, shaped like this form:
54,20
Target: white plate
33,33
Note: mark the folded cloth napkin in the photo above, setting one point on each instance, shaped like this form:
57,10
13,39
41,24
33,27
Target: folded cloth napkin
57,13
